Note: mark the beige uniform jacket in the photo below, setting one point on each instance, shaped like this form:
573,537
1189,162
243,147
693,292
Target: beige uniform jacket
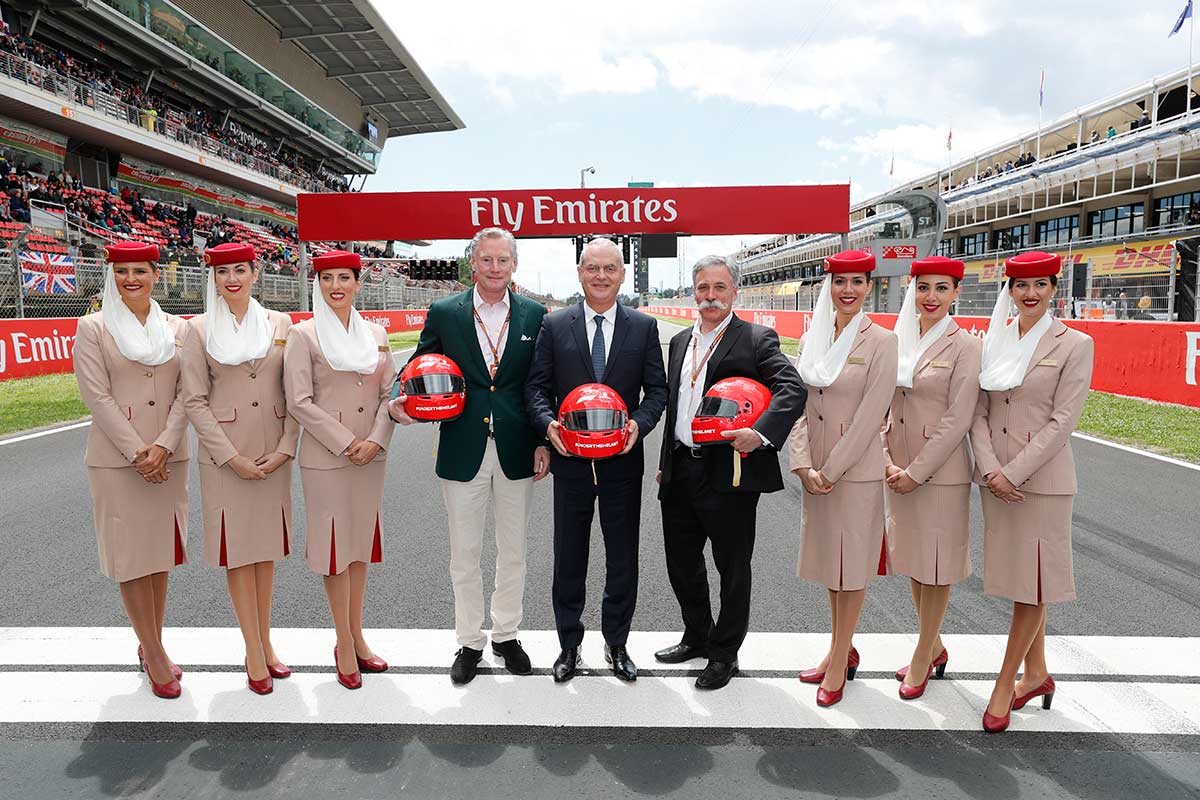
132,405
1026,431
238,408
335,407
927,427
839,431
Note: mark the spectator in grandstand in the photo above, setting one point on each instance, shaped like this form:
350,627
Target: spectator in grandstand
1008,166
1095,137
18,206
1143,308
1111,132
1122,305
5,210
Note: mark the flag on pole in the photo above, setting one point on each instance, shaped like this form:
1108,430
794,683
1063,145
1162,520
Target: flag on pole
892,170
949,137
1187,13
1042,85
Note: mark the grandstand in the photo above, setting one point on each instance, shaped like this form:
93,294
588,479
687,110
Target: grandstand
193,122
1114,187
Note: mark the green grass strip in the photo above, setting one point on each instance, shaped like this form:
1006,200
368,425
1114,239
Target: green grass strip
42,400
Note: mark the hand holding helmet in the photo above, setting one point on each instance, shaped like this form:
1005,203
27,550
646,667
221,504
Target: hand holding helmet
431,388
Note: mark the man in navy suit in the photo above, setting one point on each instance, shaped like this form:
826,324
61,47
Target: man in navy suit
597,341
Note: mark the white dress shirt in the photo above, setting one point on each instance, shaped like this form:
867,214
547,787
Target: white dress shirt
493,316
609,323
689,397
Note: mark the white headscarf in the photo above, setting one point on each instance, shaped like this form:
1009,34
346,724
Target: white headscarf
822,358
228,342
346,350
911,343
1006,354
150,344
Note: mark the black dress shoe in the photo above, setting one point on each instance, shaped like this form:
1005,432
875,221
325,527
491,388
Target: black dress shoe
515,659
622,665
466,664
566,664
716,674
678,653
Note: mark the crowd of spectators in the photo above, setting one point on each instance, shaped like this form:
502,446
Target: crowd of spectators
92,83
998,169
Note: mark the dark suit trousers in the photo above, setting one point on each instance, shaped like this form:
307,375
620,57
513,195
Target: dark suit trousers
694,513
575,501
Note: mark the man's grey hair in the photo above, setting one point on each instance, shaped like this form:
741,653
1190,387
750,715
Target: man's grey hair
492,233
601,241
716,261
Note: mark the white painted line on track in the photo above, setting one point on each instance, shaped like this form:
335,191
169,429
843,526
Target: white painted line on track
1177,462
589,701
39,434
1116,656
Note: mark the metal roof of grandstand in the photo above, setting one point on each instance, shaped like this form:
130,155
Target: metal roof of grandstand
355,46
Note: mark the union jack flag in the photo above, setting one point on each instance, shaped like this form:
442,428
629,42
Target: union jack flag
49,273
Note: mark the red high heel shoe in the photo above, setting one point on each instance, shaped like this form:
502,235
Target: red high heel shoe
264,686
908,692
279,671
372,664
167,691
817,675
938,665
994,724
351,681
175,670
827,698
1045,691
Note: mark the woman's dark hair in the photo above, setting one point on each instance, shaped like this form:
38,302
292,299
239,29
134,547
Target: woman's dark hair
1053,281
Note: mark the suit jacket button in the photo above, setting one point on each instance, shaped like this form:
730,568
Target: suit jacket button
820,391
487,420
360,383
360,409
149,374
491,388
255,404
151,402
819,417
1004,430
253,374
902,420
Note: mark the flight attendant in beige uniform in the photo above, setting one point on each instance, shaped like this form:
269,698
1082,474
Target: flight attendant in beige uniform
338,374
233,391
928,466
848,364
127,366
1035,376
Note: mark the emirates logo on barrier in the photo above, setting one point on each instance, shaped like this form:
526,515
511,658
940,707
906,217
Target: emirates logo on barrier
899,251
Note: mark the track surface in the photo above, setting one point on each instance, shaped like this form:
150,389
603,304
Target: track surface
1137,555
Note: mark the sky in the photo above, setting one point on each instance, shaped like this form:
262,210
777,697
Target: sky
713,92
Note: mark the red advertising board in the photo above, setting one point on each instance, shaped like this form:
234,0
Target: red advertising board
567,212
1152,360
43,346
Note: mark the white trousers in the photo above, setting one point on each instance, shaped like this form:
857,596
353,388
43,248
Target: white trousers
466,507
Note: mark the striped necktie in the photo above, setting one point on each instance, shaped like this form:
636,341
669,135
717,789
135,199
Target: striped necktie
598,349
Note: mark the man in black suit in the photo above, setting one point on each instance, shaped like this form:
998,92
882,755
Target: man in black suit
699,501
597,341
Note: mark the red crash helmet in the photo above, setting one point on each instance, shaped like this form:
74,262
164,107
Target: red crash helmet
730,405
593,418
434,388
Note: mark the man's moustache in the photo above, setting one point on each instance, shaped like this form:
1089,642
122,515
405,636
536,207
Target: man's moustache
717,304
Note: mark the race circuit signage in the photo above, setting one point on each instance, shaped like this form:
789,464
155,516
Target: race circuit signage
379,216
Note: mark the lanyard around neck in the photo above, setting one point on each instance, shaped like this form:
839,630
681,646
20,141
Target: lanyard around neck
697,369
493,346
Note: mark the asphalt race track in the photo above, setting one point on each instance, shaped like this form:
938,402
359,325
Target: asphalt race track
78,720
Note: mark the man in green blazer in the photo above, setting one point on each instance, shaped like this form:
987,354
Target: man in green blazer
490,455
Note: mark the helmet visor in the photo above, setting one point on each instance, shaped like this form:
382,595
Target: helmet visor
434,384
594,419
717,407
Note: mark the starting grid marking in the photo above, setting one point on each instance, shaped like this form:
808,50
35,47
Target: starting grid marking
667,700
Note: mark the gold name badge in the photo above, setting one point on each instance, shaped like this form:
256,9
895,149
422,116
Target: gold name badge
1048,362
179,343
856,360
281,342
383,348
940,364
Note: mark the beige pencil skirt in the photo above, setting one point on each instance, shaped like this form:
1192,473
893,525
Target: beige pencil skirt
928,533
344,509
841,535
141,528
1027,548
245,522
